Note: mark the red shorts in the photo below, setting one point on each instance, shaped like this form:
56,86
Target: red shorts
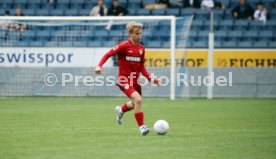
128,90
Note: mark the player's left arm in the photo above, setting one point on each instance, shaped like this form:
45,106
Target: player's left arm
145,72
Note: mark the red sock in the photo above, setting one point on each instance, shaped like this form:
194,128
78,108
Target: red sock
139,118
124,108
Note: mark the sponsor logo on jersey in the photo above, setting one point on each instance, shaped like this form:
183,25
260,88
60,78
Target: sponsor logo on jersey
141,52
126,86
133,58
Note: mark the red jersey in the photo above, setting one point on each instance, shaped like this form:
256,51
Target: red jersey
131,60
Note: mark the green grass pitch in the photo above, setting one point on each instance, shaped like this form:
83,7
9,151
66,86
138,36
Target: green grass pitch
85,128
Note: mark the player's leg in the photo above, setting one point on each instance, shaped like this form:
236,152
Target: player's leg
120,110
139,115
127,106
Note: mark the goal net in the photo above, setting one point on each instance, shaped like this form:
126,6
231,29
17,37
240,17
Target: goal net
69,48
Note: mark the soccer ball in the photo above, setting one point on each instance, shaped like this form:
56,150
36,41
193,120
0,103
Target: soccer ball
161,127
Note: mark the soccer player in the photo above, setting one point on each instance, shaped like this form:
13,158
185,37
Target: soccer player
131,55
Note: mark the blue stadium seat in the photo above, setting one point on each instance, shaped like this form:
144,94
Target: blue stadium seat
218,14
229,44
63,4
39,43
250,35
207,25
158,12
233,3
245,44
143,12
109,43
173,11
28,39
178,37
161,35
134,1
118,27
189,44
58,33
5,7
193,36
29,12
253,3
108,2
22,43
218,44
228,15
240,25
260,44
56,12
272,44
153,44
79,4
43,35
71,12
270,24
148,2
51,44
65,43
221,35
6,2
225,3
202,14
29,34
197,25
203,34
132,12
166,44
148,36
235,35
89,6
116,33
256,25
2,12
268,4
42,12
84,12
21,3
265,35
164,25
86,33
35,4
272,14
200,44
134,4
80,43
187,12
180,44
96,43
179,27
226,25
101,35
123,3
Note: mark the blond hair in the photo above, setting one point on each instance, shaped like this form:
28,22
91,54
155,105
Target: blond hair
132,25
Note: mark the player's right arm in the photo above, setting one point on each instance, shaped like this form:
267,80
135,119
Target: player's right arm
115,50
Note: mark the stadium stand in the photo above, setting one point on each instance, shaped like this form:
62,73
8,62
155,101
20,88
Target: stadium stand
228,31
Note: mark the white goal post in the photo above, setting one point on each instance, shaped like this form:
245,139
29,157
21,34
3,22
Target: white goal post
172,20
211,57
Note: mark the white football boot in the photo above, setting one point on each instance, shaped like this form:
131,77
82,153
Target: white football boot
120,114
144,130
